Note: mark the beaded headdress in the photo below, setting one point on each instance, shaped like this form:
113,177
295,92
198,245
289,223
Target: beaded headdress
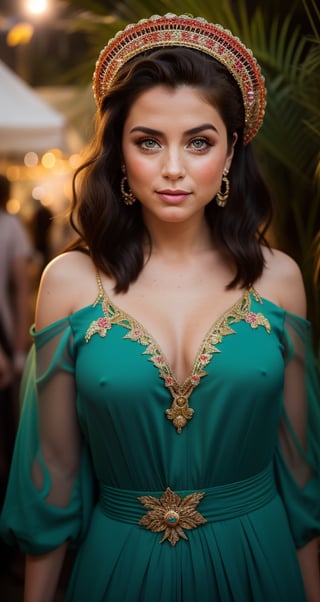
171,30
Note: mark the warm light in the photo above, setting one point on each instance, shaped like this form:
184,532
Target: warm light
21,33
31,159
37,7
61,167
67,190
74,161
13,172
48,160
57,152
46,202
37,192
13,206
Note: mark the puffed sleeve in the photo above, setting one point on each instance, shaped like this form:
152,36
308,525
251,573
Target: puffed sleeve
297,461
50,490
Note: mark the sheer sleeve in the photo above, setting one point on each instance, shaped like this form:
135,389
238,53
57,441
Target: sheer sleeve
297,460
50,491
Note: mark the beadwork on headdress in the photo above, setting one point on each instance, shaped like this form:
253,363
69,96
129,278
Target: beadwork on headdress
172,30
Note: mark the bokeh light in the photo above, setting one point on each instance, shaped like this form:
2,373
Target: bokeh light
13,206
38,193
21,33
37,7
48,160
31,159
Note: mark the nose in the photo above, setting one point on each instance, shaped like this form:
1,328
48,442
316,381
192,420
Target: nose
173,166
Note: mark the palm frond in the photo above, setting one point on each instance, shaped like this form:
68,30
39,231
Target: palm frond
313,12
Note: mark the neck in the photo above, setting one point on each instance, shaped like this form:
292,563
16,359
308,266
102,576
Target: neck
178,240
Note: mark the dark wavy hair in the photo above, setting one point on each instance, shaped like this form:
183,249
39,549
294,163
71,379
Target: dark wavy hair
114,233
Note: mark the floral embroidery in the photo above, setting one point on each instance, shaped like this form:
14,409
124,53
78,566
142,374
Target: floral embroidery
158,360
179,412
171,513
256,320
135,334
100,326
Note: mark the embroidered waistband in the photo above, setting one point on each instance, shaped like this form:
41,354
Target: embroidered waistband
178,509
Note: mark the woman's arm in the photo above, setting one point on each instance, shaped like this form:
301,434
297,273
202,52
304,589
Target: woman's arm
42,575
309,560
59,434
293,299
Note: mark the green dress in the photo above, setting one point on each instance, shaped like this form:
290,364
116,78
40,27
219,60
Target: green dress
170,492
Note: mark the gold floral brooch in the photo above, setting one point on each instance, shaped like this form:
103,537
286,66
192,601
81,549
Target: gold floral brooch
171,513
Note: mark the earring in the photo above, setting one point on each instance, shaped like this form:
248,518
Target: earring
222,195
127,195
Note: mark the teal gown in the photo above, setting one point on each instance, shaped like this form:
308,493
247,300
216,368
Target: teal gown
204,502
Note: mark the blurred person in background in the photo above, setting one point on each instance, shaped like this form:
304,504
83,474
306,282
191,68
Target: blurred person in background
15,254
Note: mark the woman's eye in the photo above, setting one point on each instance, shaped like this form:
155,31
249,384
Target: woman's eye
199,144
148,143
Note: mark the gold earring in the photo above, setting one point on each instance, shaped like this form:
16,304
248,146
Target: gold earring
127,195
222,195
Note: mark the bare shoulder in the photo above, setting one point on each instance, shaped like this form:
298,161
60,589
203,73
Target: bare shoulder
282,282
67,284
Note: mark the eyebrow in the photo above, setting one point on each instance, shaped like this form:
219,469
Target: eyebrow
191,132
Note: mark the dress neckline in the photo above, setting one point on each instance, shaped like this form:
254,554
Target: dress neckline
242,302
179,412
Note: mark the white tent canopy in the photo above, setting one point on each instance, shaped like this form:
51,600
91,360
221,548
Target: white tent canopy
27,123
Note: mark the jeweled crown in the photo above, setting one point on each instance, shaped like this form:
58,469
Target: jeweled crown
173,30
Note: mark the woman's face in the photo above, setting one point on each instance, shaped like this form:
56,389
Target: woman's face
175,150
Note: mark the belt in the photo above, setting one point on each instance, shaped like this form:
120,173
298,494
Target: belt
172,512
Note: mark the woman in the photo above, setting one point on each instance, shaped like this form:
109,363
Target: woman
168,369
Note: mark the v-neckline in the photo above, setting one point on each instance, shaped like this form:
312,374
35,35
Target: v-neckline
180,411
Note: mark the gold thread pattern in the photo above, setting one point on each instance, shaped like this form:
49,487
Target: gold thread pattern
179,412
172,513
191,32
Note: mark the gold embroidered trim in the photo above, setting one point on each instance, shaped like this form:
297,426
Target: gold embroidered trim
179,412
171,513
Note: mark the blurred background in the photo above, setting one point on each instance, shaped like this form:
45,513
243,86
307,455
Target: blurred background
48,50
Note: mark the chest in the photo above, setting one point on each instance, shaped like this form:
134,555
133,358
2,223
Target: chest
131,348
130,374
180,321
179,317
